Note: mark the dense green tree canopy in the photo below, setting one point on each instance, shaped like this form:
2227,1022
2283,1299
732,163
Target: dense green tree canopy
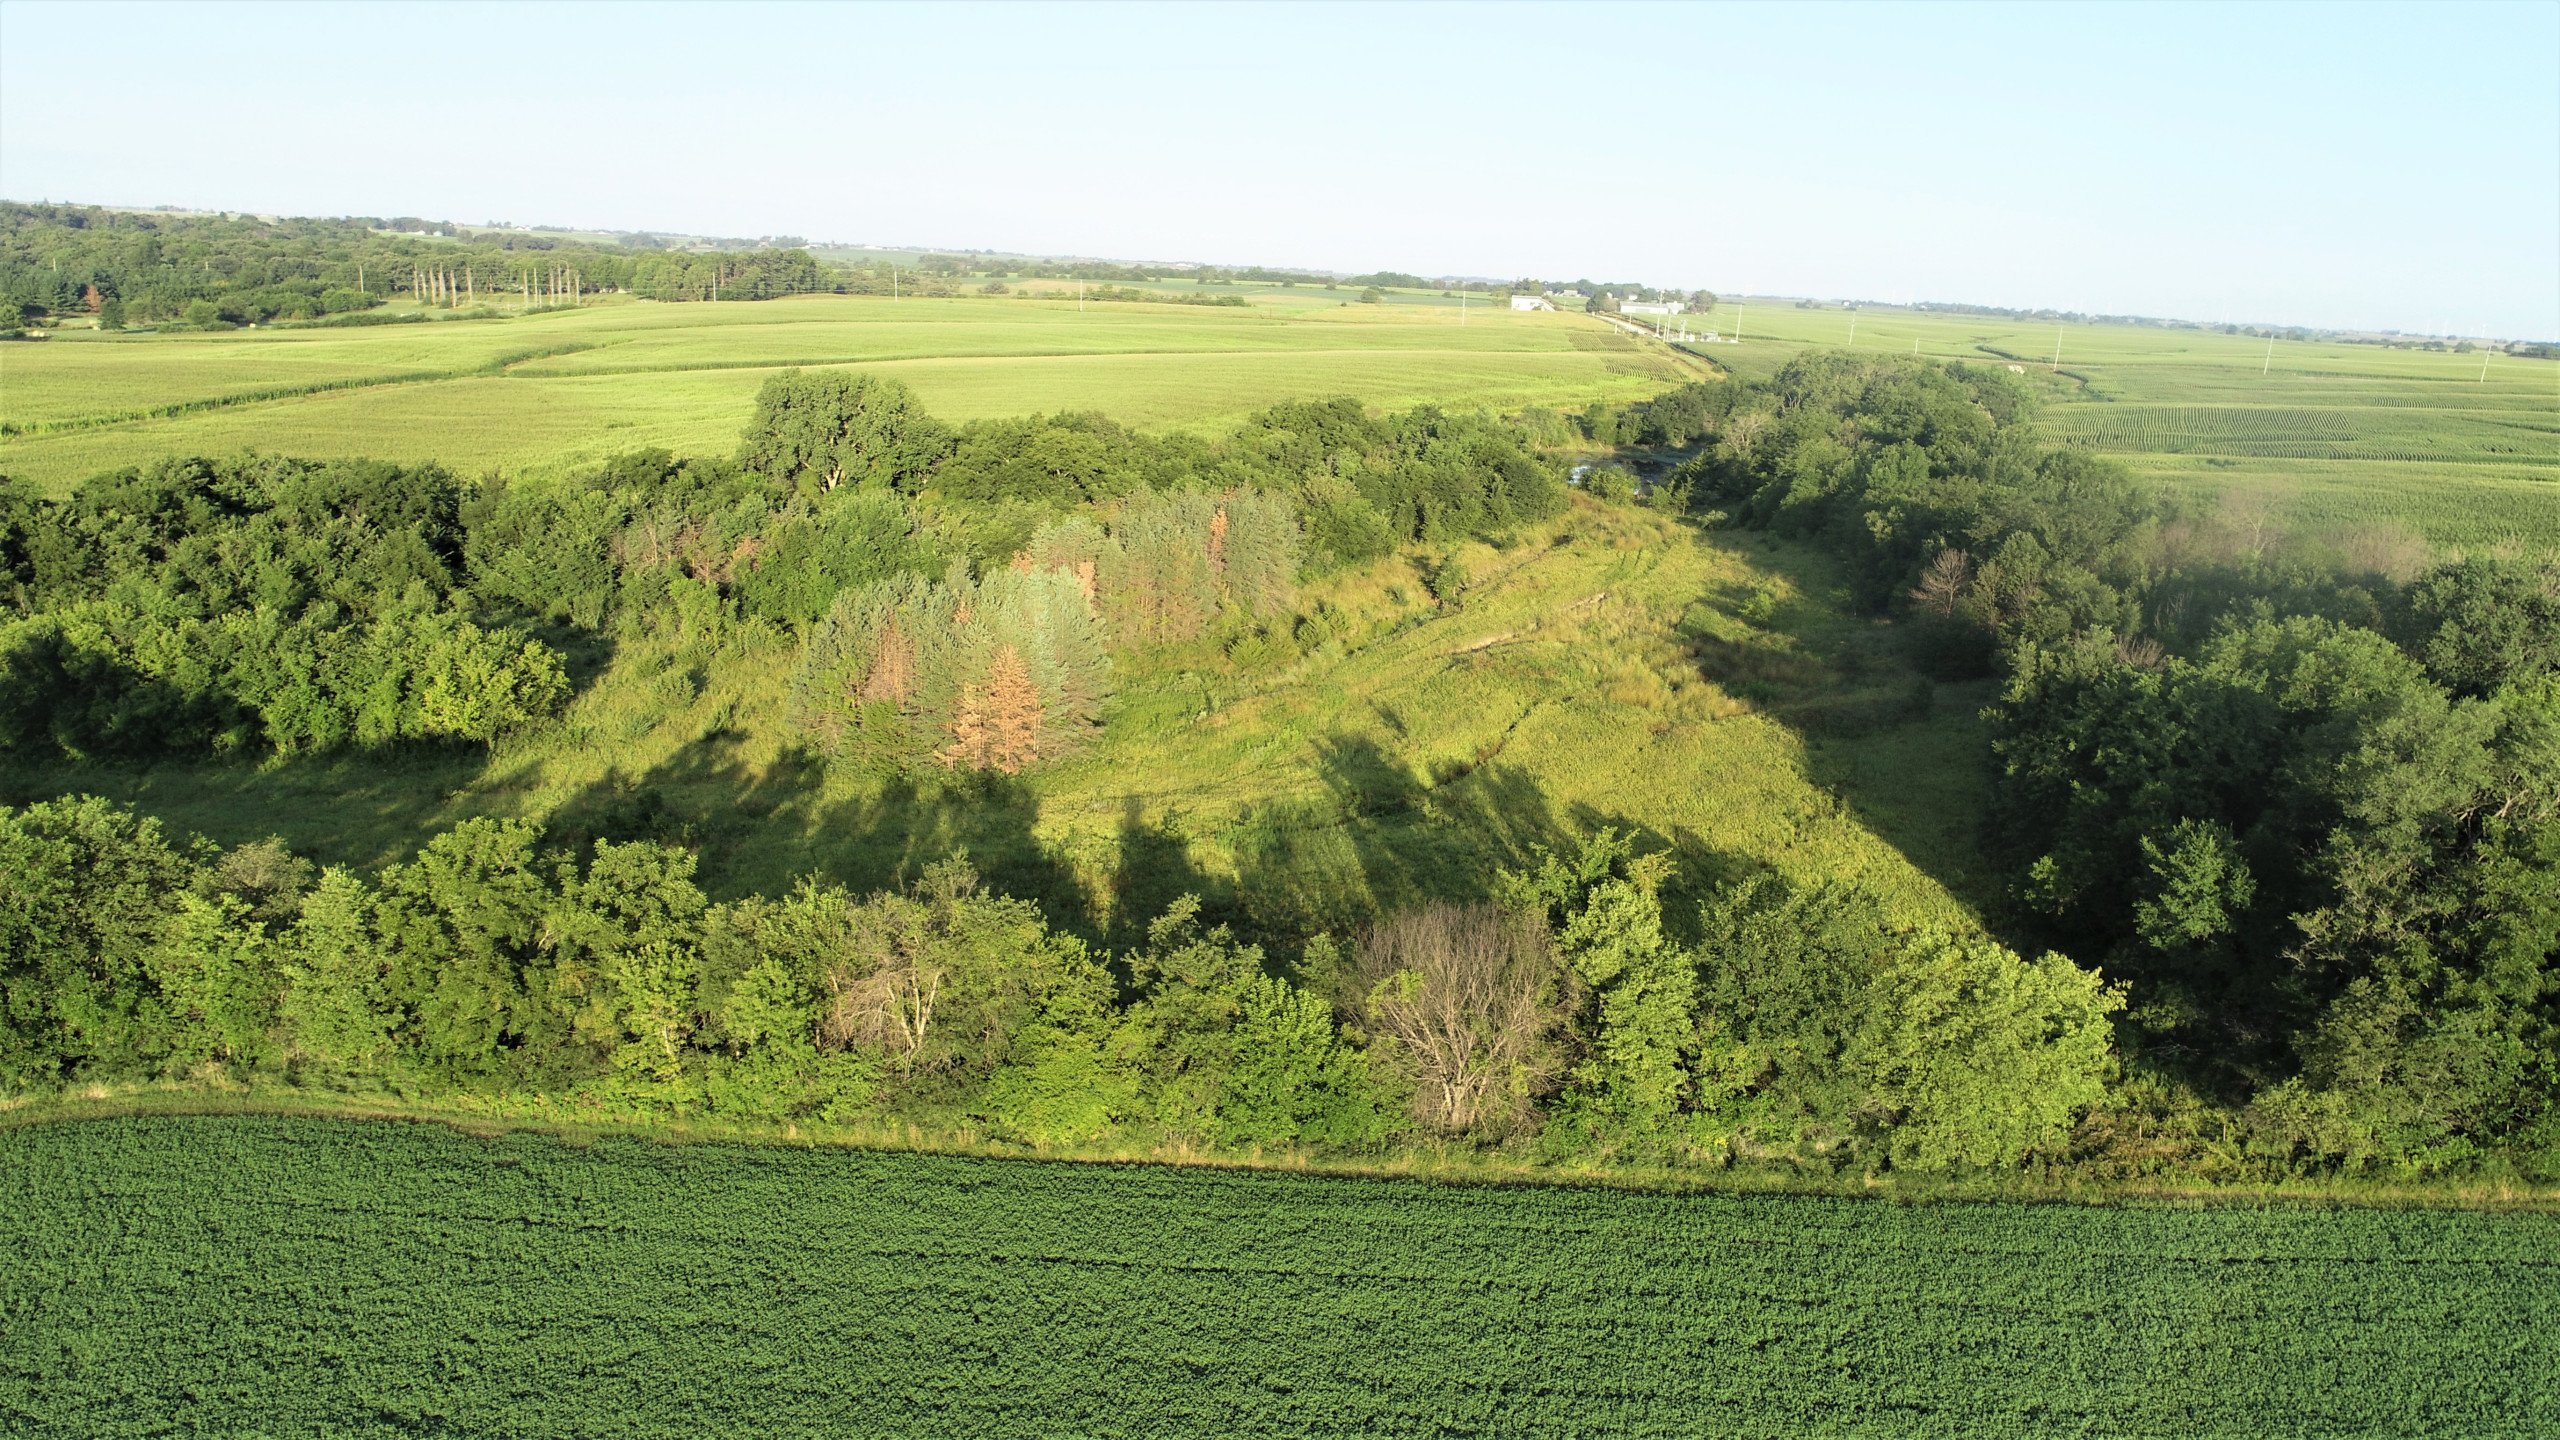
500,960
817,430
2306,813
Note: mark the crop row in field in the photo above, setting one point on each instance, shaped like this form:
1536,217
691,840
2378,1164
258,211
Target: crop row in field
2315,433
310,1277
2460,505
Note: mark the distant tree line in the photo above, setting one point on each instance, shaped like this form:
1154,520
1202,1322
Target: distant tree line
124,268
934,272
128,268
2309,811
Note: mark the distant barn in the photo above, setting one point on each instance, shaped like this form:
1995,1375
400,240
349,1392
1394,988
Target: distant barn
1529,302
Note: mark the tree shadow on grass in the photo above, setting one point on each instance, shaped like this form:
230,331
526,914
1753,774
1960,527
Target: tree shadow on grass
760,828
1152,868
355,808
1382,840
1901,756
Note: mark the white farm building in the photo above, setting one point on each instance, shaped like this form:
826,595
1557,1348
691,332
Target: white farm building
1647,307
1530,302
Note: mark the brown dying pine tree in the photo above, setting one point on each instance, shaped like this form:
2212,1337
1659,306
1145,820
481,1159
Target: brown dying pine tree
997,724
893,668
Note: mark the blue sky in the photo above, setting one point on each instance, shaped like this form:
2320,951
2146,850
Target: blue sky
2370,165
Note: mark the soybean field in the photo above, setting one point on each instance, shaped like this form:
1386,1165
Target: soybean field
290,1277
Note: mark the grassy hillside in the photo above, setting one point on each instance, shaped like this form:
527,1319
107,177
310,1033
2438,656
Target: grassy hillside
326,1277
2464,449
1613,667
541,394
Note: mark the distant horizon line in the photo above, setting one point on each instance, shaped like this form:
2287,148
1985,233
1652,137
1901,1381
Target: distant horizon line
2065,314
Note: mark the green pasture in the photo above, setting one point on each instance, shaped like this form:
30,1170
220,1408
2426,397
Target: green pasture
1612,668
540,394
246,1275
2462,449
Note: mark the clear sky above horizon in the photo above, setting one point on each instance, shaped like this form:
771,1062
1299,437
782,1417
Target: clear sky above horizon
2338,164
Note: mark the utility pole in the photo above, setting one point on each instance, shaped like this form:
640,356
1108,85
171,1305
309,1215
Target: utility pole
2269,362
1853,329
1737,322
893,279
2057,349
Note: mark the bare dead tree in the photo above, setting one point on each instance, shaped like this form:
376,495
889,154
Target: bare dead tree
886,991
643,544
891,1008
1465,996
2248,517
1944,582
1741,435
2391,551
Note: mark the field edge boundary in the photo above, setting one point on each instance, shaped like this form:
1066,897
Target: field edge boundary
100,1104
